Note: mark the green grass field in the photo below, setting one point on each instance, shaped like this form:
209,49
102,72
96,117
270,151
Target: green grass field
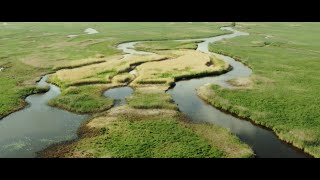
86,65
282,93
15,82
151,100
28,50
152,133
155,137
285,86
83,99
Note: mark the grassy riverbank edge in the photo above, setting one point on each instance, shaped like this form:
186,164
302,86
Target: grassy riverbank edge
61,150
25,92
45,43
205,93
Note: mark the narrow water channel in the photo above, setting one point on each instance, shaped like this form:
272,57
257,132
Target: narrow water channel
264,142
37,126
119,94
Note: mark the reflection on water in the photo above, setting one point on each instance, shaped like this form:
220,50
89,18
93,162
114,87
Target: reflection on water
118,94
27,131
263,142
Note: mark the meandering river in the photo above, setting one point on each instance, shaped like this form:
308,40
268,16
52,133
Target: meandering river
38,125
264,142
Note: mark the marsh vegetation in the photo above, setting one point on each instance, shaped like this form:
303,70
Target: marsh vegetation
282,93
29,50
85,65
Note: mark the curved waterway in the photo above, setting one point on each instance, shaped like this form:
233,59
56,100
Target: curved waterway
264,142
37,126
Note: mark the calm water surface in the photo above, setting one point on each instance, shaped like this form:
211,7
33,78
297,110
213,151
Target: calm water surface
32,129
118,94
264,142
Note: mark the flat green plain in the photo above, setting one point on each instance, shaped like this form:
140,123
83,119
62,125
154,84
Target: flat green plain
150,126
282,93
29,50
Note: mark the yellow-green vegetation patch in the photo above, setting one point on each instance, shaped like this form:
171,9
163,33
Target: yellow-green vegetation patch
88,98
301,138
166,45
123,78
222,139
47,45
250,82
69,75
127,132
151,137
137,114
189,64
241,82
83,99
105,70
53,79
144,99
79,63
33,90
88,81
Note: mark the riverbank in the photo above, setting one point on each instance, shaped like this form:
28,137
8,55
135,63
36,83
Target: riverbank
42,124
146,122
207,94
199,111
30,54
284,89
151,125
128,132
